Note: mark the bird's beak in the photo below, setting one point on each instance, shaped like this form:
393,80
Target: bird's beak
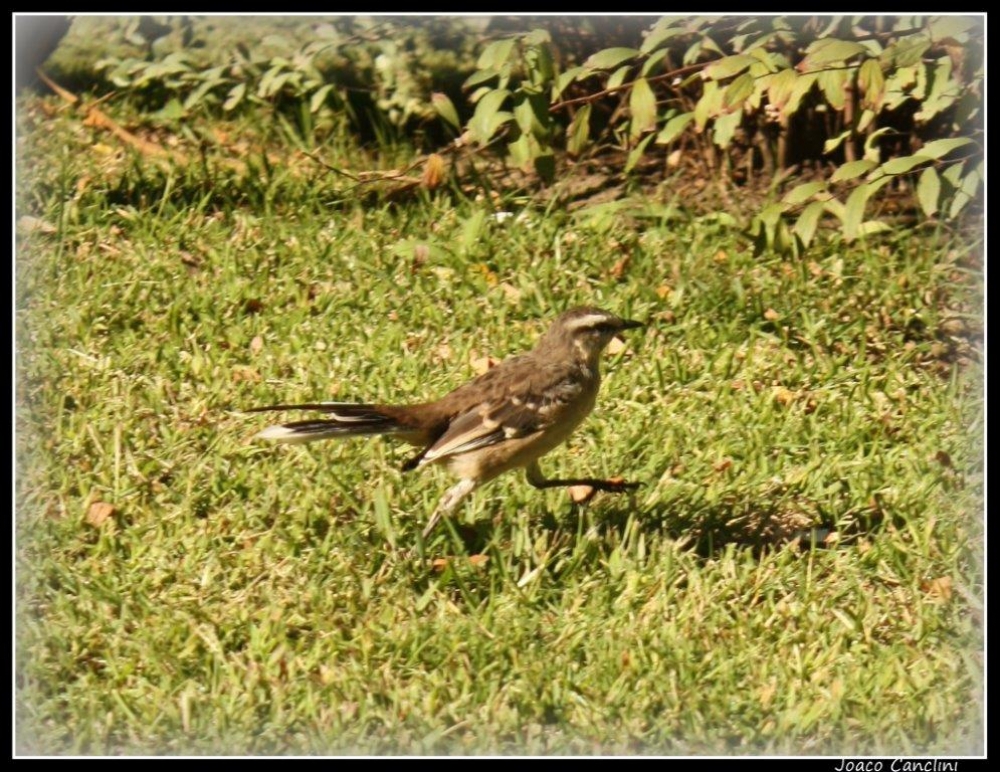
627,324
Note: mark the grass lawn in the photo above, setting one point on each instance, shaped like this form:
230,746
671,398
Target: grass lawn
181,588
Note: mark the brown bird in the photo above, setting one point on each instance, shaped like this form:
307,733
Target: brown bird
508,417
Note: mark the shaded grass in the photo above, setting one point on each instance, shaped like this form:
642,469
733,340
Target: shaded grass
245,598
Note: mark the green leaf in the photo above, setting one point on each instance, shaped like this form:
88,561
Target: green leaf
771,214
566,78
779,89
872,83
537,37
472,229
739,90
802,86
709,104
618,77
852,169
578,132
729,66
478,77
805,226
446,109
966,192
829,51
653,60
642,103
610,58
236,94
954,27
929,191
834,142
319,97
636,153
803,192
538,58
496,54
487,118
661,32
532,115
725,127
904,164
674,127
905,52
953,175
832,83
867,116
939,148
771,61
942,93
872,152
854,210
871,227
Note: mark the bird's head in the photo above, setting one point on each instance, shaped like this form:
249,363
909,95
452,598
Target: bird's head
586,331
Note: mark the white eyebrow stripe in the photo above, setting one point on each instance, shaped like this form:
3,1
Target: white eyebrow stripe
590,320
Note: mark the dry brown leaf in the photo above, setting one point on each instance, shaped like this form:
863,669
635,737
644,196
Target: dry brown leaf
256,344
722,465
939,588
620,267
513,293
491,278
28,224
479,560
581,494
243,373
616,346
784,396
434,172
771,315
252,306
443,353
663,291
99,512
481,364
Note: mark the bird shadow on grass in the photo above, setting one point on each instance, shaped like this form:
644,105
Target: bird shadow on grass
704,529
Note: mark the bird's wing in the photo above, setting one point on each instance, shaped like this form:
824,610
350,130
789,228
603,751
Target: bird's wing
517,402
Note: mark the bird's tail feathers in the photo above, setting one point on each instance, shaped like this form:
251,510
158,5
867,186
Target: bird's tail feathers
346,419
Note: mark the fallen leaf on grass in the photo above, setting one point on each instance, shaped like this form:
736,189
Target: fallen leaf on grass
248,374
581,494
939,588
481,364
722,465
620,267
28,224
616,346
99,512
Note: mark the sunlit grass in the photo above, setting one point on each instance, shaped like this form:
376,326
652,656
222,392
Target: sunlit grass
246,598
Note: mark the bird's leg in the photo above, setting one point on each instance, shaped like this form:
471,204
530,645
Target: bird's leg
537,479
449,501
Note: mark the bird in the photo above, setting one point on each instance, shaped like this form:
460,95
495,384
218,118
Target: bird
506,418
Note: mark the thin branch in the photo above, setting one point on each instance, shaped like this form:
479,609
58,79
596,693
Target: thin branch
598,94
